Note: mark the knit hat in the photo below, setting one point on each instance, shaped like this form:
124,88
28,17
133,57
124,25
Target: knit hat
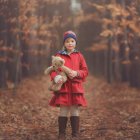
69,34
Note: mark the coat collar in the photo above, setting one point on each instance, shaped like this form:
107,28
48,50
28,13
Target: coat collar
64,52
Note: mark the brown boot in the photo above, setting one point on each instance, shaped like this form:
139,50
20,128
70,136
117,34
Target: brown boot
62,122
75,126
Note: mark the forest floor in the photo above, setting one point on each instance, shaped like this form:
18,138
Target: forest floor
113,112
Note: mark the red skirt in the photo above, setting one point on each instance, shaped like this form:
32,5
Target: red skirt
68,99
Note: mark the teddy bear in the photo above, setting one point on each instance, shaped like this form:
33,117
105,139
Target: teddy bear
57,63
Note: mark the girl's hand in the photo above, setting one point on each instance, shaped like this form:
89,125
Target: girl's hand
73,74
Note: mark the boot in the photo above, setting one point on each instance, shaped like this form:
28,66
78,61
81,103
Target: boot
74,120
62,122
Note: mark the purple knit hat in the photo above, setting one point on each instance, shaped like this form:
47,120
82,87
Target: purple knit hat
69,34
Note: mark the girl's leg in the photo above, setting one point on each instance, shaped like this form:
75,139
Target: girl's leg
74,110
64,111
62,122
74,119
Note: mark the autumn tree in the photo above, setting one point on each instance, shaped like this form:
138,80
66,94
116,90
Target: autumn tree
30,32
119,22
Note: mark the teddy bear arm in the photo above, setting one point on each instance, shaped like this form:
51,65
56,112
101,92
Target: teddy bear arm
66,69
48,70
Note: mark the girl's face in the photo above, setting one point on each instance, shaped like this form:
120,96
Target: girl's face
70,44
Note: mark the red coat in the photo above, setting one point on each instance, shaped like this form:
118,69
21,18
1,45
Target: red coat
74,61
72,90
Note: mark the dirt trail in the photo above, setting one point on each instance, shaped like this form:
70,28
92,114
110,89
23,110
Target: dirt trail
113,112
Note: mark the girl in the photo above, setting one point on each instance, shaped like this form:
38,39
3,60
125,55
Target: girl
71,95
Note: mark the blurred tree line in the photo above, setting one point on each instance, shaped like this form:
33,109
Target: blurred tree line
29,34
110,32
108,35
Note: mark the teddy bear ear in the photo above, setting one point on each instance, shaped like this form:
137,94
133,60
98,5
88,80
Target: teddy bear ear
63,61
53,56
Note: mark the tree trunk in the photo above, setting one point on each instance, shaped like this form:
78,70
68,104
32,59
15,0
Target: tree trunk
135,73
109,61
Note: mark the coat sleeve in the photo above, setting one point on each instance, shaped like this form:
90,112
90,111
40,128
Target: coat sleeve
83,70
53,74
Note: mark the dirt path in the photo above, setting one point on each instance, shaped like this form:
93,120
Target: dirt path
113,112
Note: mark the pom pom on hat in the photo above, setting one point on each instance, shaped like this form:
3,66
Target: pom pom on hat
69,34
